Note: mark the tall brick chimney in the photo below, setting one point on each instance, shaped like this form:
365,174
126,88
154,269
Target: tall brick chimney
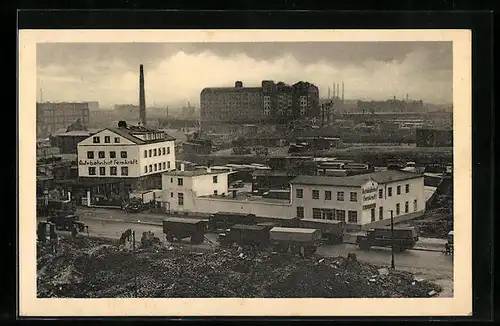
142,97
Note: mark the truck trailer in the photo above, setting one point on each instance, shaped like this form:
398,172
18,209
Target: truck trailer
176,228
295,240
404,238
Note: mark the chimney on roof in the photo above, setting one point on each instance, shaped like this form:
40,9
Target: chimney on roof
142,97
234,193
183,167
122,124
238,84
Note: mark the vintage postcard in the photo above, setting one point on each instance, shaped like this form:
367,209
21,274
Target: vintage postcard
245,173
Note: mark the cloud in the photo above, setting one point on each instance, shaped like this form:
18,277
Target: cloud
180,76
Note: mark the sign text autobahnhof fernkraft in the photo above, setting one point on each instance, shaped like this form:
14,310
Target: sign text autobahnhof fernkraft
108,162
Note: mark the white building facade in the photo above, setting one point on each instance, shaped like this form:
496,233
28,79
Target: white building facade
130,154
359,200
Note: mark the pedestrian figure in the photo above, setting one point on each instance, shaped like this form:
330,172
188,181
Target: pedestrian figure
302,252
87,228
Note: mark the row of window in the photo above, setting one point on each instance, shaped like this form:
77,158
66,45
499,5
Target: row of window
113,170
156,167
156,152
299,193
102,154
107,140
339,215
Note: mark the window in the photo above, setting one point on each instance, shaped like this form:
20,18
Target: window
381,213
150,168
159,151
316,213
389,191
101,154
214,179
90,154
145,153
163,165
300,212
354,196
168,150
112,154
124,170
156,167
107,139
145,169
168,165
340,215
180,199
380,193
315,194
92,171
299,193
330,214
117,140
353,217
154,152
171,180
407,207
163,150
340,195
397,209
328,195
150,151
172,194
398,190
113,170
180,181
123,154
407,188
415,205
96,140
102,170
215,192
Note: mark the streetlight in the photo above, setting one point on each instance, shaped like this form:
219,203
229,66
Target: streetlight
392,240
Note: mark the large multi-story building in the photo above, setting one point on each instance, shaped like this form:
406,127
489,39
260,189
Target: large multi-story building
133,156
51,116
272,100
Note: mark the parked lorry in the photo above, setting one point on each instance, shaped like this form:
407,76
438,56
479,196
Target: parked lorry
331,230
66,222
135,205
301,240
225,220
246,236
53,207
177,228
404,238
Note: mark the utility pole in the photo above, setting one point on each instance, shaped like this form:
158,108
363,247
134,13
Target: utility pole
392,240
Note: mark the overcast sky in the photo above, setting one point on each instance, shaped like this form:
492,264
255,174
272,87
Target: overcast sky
176,73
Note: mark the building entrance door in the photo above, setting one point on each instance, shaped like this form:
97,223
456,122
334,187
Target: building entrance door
373,214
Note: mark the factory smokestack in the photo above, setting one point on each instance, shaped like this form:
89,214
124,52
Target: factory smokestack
338,90
342,93
333,91
142,97
328,92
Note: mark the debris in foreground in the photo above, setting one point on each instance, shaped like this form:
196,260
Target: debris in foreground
90,269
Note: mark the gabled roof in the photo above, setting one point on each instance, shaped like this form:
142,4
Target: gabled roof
356,180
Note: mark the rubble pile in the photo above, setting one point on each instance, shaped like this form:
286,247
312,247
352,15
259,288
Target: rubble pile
83,270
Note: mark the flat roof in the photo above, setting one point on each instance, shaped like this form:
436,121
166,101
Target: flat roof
128,133
295,230
356,180
193,173
183,220
247,197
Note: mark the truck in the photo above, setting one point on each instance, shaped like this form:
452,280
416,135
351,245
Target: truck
255,236
295,240
225,220
66,221
54,207
135,205
177,228
404,238
331,230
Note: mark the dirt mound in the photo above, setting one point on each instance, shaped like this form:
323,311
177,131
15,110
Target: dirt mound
83,270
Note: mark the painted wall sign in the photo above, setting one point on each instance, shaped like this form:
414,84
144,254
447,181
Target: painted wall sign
369,190
108,162
370,197
369,206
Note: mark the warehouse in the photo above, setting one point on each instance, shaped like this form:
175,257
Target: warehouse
359,200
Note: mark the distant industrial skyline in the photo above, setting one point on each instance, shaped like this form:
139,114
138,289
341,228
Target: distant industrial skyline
176,73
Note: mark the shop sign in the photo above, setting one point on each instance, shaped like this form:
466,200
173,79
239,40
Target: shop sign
370,197
369,190
369,206
108,162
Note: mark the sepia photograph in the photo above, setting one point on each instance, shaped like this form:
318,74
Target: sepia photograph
246,168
